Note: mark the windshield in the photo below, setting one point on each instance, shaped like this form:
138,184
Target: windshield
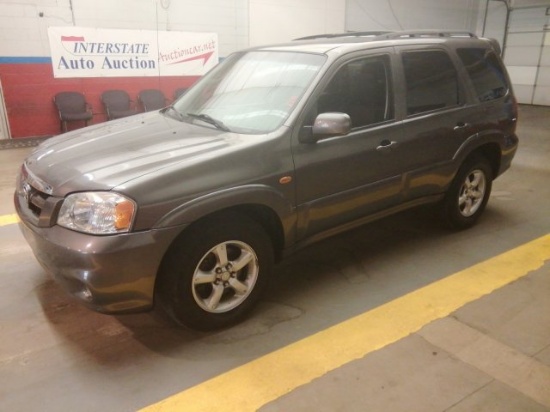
251,92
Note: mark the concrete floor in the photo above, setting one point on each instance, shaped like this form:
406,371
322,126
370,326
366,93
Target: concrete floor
492,354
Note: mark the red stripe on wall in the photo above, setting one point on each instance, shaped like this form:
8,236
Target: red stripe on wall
29,90
72,38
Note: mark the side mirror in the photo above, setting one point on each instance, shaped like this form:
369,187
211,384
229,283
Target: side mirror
327,125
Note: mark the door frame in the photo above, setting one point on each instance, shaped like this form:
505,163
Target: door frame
4,125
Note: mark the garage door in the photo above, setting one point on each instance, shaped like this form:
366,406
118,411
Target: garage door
527,54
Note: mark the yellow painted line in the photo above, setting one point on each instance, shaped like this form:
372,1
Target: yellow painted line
8,219
249,387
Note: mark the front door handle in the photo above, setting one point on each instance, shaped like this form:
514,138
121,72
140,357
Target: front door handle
386,145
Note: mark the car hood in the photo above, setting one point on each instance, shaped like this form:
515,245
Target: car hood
107,155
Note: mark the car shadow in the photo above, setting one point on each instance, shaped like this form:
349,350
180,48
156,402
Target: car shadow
115,341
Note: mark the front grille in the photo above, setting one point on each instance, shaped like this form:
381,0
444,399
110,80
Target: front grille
36,200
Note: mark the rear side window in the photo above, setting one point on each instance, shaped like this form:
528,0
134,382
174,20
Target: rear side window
485,71
432,81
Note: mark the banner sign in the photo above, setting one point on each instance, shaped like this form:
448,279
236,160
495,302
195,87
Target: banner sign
90,52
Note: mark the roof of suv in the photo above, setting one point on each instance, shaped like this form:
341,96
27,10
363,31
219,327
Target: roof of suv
324,42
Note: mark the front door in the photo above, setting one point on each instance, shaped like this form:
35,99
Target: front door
342,179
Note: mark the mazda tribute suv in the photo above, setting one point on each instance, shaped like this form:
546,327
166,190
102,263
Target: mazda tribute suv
275,148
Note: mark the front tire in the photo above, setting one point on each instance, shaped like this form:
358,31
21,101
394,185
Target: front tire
214,274
468,194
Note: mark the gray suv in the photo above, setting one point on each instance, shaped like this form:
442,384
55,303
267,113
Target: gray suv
275,148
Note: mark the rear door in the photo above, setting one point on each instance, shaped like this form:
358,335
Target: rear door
436,118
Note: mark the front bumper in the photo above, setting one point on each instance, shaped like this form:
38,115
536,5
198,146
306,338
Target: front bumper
109,274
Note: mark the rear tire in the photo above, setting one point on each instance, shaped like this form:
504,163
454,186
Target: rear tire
468,194
215,273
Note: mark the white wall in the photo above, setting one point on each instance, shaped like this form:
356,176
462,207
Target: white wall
227,18
239,23
275,21
23,25
495,21
23,32
367,15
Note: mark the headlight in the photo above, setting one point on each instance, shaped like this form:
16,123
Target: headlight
99,213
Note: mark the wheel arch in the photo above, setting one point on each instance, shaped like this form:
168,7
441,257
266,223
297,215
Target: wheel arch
488,145
270,221
261,203
265,216
491,151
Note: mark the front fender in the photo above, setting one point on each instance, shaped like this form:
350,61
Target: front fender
256,194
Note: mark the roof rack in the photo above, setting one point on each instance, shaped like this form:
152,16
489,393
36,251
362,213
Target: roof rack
426,33
392,34
346,34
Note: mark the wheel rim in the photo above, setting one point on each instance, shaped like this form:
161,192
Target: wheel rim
472,193
225,276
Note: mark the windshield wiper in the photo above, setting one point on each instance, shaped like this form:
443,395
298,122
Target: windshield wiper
179,115
209,119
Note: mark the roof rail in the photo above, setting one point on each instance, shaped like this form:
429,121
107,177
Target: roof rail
389,35
426,33
347,34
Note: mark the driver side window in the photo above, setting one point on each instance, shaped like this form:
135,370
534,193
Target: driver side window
362,89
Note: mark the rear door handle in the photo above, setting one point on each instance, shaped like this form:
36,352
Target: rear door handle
461,125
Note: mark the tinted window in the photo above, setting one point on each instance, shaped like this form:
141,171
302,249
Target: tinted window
485,72
361,89
432,82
